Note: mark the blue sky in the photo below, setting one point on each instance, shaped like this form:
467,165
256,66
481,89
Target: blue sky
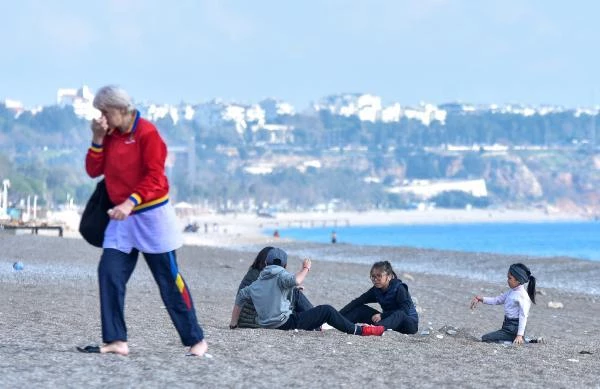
491,51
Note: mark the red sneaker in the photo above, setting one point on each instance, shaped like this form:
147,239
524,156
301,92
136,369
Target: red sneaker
373,330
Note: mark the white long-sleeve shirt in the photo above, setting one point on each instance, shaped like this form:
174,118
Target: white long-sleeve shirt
516,305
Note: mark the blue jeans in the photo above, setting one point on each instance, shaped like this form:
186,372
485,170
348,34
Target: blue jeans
508,332
114,270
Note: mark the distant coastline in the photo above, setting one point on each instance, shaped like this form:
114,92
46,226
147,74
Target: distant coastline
241,228
227,229
242,231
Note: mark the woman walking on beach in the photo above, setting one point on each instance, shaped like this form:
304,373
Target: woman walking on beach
517,302
269,294
398,310
130,153
248,315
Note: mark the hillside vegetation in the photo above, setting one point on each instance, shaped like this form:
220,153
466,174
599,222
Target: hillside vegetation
540,160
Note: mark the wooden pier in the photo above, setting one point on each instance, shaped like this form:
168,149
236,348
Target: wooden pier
308,223
33,228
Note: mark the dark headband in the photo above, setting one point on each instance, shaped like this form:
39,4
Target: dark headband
519,273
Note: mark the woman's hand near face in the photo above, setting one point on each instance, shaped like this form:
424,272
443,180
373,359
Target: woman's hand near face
99,129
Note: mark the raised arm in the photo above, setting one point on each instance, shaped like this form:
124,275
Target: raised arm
94,160
301,275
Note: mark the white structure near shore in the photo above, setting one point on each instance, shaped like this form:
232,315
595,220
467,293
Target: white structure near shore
427,189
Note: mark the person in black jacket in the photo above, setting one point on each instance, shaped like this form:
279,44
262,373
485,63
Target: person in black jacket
398,310
247,319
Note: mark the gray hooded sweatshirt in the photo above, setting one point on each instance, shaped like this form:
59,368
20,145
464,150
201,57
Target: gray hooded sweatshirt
270,296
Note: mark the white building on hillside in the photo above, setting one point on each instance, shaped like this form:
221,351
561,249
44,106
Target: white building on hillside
15,106
81,99
426,189
426,114
274,108
367,107
278,133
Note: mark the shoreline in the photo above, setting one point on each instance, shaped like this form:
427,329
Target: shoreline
242,228
243,232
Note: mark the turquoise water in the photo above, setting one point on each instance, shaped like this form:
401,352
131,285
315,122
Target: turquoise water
579,240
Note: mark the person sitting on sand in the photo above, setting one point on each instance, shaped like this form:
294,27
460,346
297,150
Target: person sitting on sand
517,302
398,310
269,294
247,319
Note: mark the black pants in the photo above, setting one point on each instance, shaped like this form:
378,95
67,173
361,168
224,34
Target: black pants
314,318
397,321
300,302
507,333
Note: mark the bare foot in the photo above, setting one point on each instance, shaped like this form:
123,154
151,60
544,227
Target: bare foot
199,348
118,347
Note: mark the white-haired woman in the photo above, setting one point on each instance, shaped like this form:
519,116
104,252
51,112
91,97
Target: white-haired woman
130,153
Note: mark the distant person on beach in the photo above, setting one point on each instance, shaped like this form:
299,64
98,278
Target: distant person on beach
517,302
269,294
333,237
276,234
398,310
248,316
130,153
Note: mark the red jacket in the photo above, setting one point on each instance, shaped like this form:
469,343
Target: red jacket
133,165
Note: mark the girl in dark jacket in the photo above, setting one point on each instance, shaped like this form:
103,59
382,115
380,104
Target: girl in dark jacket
398,310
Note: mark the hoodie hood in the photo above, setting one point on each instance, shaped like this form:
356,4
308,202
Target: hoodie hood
270,272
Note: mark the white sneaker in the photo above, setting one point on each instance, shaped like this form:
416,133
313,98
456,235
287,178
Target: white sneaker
541,340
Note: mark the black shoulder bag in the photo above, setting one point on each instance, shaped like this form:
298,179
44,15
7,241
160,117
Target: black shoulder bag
95,217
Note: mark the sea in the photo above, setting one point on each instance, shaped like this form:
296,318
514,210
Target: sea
578,239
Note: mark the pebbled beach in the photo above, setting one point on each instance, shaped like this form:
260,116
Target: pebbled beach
51,306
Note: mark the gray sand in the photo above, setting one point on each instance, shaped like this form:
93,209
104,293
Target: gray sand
52,306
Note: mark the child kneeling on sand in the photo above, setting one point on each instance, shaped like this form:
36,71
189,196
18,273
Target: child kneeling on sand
517,302
269,296
399,312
